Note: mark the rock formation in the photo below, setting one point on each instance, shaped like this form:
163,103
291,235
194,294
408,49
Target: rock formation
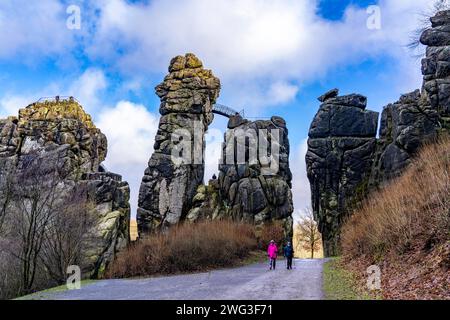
167,190
340,154
61,132
436,67
173,192
250,191
345,161
405,124
207,203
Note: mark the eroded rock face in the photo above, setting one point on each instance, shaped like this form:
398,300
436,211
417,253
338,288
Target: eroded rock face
340,154
61,132
436,67
250,192
187,95
345,161
207,203
405,125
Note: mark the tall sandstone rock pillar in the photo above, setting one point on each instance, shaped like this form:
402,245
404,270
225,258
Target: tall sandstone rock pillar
252,191
340,154
187,96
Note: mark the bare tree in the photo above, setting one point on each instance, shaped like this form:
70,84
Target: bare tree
34,204
63,245
45,218
307,235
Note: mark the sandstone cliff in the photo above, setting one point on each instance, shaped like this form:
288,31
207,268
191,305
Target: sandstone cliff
340,154
345,161
59,132
250,191
187,96
245,189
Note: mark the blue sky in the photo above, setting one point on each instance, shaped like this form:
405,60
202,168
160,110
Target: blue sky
273,57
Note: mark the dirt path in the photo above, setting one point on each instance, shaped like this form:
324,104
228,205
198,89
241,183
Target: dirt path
254,282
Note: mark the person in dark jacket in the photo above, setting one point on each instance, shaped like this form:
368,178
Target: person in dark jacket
288,252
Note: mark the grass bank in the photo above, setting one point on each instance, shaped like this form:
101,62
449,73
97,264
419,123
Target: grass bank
403,228
341,284
42,295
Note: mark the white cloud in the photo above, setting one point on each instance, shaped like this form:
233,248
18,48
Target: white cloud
262,50
283,43
33,29
10,105
87,89
281,92
130,129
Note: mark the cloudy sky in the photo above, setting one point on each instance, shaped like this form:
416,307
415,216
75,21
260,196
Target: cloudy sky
272,56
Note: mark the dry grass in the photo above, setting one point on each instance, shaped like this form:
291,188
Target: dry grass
413,208
404,228
187,248
271,231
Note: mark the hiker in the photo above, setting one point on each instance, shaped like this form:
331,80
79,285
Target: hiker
288,253
272,251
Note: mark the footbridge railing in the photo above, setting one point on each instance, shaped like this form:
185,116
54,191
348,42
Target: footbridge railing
226,111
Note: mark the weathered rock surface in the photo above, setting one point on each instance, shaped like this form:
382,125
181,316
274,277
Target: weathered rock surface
187,95
174,192
340,154
405,125
249,190
436,67
207,203
345,161
111,232
61,132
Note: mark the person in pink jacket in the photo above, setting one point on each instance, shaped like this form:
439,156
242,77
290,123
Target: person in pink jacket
272,252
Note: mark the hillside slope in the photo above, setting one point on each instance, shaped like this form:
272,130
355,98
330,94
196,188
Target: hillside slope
404,228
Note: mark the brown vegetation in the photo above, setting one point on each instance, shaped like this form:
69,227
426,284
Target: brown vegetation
404,228
42,223
187,248
271,231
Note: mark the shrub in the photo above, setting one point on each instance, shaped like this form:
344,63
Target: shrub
272,231
186,248
413,208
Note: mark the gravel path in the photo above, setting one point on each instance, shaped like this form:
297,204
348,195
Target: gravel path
253,282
